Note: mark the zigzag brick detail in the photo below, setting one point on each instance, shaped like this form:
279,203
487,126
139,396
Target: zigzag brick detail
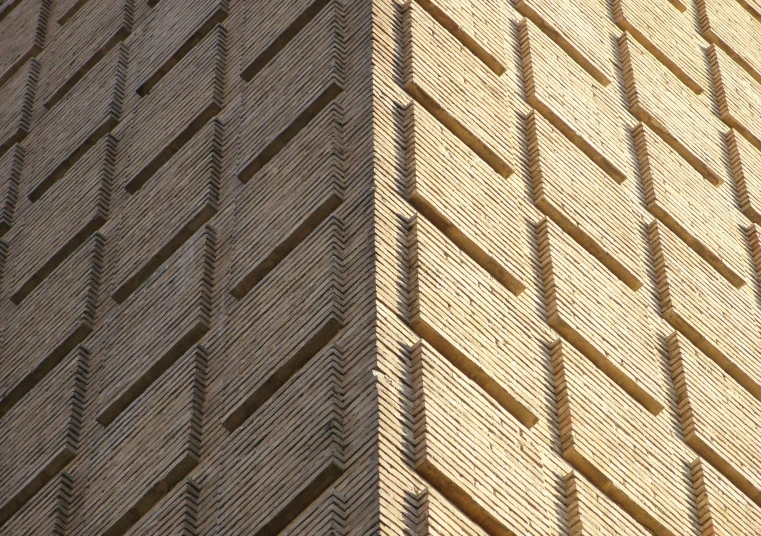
11,164
438,517
16,105
47,513
24,30
175,515
746,168
325,516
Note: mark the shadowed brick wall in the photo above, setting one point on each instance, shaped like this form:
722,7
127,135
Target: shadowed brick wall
333,267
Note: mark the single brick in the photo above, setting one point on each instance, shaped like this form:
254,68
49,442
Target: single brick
48,231
588,114
467,200
297,452
601,317
715,316
634,457
457,89
77,47
719,417
288,199
701,214
160,217
291,89
16,105
684,120
157,325
37,336
463,440
24,30
470,318
586,202
40,435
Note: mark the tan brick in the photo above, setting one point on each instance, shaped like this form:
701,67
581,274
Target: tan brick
719,417
727,24
46,514
464,445
438,517
151,330
667,33
600,316
738,94
592,513
299,456
48,231
701,214
746,169
40,435
588,114
148,450
301,80
684,120
16,105
36,336
581,28
724,510
160,217
461,92
468,201
585,201
24,29
76,48
11,164
754,6
474,321
625,451
718,318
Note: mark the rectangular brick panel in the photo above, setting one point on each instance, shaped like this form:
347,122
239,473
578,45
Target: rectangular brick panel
16,105
588,114
50,322
468,201
719,417
325,516
24,30
701,214
11,164
438,517
287,454
152,329
175,515
287,93
48,231
160,217
718,318
167,35
592,513
290,196
601,316
284,321
735,29
175,110
67,132
746,168
473,451
479,25
668,34
76,48
46,514
634,457
40,435
470,318
460,91
738,94
148,450
585,201
724,510
684,120
581,28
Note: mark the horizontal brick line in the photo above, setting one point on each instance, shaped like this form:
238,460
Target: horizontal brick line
282,40
34,485
467,41
217,17
291,242
316,487
325,334
282,139
174,146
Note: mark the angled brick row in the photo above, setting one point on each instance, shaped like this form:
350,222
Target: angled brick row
24,30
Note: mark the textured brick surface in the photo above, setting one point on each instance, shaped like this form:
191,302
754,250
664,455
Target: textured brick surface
384,267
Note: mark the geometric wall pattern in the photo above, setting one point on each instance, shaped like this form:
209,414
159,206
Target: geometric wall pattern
422,267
